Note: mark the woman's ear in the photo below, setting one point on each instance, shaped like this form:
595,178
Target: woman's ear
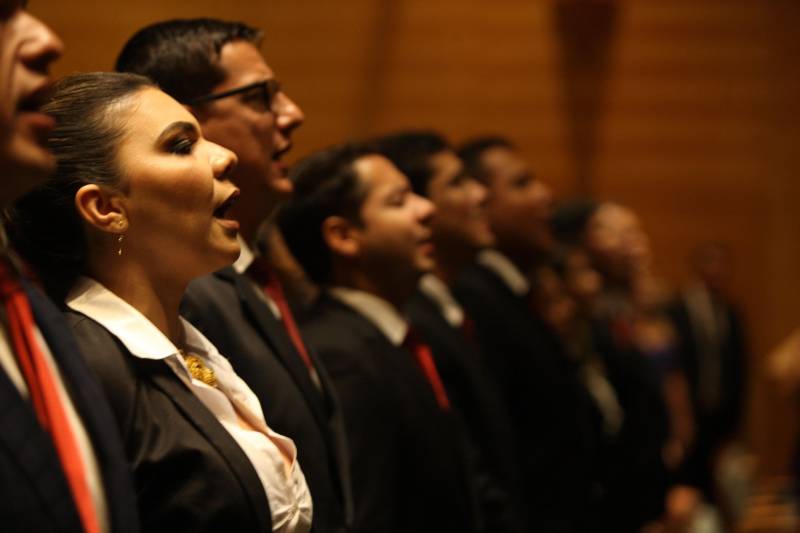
102,208
341,236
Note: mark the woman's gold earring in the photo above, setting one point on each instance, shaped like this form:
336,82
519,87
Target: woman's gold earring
121,237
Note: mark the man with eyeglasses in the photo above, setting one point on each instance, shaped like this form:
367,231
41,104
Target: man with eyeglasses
215,68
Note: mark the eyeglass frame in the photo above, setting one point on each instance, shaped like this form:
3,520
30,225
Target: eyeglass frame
269,90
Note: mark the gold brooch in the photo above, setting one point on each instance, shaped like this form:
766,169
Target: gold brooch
199,370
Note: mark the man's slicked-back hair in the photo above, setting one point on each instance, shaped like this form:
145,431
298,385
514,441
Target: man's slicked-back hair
182,55
326,184
471,153
411,152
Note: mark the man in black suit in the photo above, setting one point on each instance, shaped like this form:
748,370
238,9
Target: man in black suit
556,424
361,233
216,69
712,344
460,230
62,467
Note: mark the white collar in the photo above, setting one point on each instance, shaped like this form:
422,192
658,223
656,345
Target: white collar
506,270
246,256
375,309
140,336
438,291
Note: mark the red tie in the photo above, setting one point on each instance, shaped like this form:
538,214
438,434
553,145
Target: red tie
44,392
422,352
261,272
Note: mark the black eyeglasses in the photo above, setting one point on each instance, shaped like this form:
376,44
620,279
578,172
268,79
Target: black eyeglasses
268,89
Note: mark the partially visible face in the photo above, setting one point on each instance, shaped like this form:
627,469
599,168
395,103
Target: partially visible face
520,205
618,246
175,189
27,47
581,280
395,231
258,135
461,219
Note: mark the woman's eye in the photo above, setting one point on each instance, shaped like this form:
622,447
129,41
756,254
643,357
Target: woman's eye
181,146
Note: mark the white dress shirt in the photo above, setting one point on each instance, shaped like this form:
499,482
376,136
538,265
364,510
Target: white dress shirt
242,263
375,309
231,401
506,269
438,291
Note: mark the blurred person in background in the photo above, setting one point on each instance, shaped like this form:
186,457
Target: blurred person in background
712,343
460,229
558,427
365,237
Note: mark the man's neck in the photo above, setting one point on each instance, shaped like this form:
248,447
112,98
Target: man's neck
394,291
451,261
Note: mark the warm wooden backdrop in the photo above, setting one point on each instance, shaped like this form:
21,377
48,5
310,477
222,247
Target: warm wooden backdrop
685,109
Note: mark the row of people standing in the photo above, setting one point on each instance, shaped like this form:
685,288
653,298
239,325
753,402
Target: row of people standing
422,391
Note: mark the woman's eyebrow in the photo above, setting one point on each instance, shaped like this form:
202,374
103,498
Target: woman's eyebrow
177,127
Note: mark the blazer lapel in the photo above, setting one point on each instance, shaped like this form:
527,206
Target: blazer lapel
194,411
275,335
93,409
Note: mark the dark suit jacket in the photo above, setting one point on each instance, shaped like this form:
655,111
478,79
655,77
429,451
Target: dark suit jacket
471,388
226,308
555,419
35,494
189,472
408,467
722,422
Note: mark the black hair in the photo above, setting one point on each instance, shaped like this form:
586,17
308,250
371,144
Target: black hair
44,225
571,219
471,153
411,153
182,55
325,184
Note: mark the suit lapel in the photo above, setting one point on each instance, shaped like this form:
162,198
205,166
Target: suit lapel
275,335
93,409
23,438
205,422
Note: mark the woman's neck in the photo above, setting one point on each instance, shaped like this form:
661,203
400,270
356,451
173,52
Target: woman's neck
157,298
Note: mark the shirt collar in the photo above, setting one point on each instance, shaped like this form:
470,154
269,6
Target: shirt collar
438,291
506,270
375,309
140,336
246,256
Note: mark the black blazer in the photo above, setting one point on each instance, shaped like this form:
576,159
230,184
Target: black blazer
408,465
189,472
471,388
556,422
35,494
226,308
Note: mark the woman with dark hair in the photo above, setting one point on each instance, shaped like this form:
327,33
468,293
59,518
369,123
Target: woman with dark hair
137,209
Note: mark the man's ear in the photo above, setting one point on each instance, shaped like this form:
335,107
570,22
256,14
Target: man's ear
341,236
102,208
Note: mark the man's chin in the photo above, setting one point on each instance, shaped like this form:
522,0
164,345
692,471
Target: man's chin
282,186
